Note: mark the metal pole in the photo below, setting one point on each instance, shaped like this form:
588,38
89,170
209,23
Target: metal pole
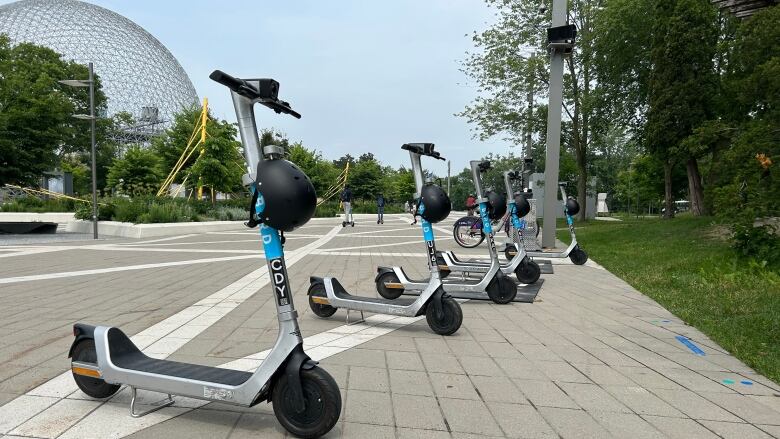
94,165
552,161
448,178
528,124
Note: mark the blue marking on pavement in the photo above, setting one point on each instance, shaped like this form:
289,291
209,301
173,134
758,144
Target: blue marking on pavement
728,381
690,345
747,383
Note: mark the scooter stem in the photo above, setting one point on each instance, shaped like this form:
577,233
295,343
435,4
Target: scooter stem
247,128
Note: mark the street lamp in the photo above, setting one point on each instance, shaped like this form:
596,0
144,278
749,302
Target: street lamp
91,117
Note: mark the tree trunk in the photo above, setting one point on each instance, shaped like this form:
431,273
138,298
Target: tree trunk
582,186
695,188
668,200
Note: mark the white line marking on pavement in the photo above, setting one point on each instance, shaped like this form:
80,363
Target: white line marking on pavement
373,231
172,250
33,277
376,245
159,341
384,254
170,238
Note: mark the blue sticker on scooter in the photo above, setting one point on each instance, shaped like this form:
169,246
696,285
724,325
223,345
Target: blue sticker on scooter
516,223
690,345
569,219
427,229
487,228
271,242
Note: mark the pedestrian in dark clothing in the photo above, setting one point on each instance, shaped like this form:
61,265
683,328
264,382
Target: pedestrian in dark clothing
346,201
380,209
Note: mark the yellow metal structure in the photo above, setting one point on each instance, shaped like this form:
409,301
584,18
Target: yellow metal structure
337,187
197,139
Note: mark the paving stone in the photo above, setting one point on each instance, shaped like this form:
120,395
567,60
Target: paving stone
680,428
695,406
545,393
420,412
774,430
642,401
413,433
520,368
498,389
410,382
730,430
479,366
354,430
627,425
368,378
206,423
648,378
255,425
603,375
520,421
573,423
453,386
561,372
368,408
443,363
593,398
360,357
745,407
469,416
404,360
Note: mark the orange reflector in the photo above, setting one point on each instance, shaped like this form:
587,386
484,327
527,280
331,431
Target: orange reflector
444,268
86,372
320,300
394,285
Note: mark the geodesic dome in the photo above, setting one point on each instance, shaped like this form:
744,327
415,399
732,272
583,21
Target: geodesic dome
139,75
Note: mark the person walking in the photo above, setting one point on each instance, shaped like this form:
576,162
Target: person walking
346,201
380,209
471,203
412,210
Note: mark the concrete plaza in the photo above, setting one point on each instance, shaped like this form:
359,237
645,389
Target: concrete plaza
591,357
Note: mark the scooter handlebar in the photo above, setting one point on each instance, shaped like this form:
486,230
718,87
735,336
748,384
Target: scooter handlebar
422,149
265,92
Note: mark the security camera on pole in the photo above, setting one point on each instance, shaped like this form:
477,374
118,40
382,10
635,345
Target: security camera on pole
560,37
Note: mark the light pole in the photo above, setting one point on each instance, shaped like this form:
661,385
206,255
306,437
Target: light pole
91,117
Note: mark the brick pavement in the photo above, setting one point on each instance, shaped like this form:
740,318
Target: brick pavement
591,357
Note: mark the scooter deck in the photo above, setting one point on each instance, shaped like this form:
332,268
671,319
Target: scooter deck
341,293
525,293
126,355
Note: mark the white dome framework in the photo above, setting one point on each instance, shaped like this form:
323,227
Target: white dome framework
138,74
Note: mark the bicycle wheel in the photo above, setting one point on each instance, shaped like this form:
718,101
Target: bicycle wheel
467,236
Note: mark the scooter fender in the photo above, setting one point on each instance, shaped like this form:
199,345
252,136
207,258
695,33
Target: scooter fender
296,361
382,270
313,280
81,331
436,300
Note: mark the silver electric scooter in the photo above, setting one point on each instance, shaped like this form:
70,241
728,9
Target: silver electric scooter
577,255
442,312
392,282
306,399
526,270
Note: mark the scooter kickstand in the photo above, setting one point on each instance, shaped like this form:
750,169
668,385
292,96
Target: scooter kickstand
362,319
163,403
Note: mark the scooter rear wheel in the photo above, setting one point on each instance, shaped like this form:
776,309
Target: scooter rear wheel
384,290
502,290
578,256
322,404
319,309
528,271
450,321
94,387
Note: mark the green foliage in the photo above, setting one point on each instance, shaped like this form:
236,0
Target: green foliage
137,173
38,205
36,123
365,178
149,209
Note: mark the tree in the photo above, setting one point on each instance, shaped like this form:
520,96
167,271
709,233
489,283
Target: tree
365,179
681,87
36,123
138,172
217,163
321,172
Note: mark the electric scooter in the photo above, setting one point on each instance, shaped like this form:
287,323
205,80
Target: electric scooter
392,282
306,399
443,313
526,270
577,255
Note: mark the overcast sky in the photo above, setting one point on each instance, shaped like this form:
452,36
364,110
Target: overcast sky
366,75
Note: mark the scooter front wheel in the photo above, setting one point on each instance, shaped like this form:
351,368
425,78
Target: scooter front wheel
322,404
391,291
528,272
317,290
510,253
451,318
95,387
502,290
578,256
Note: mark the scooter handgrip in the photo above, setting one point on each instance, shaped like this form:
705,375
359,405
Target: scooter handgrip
227,80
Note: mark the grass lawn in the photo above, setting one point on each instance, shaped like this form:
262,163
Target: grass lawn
686,265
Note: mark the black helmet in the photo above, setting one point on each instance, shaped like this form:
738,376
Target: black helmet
496,205
436,203
289,196
572,206
522,205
